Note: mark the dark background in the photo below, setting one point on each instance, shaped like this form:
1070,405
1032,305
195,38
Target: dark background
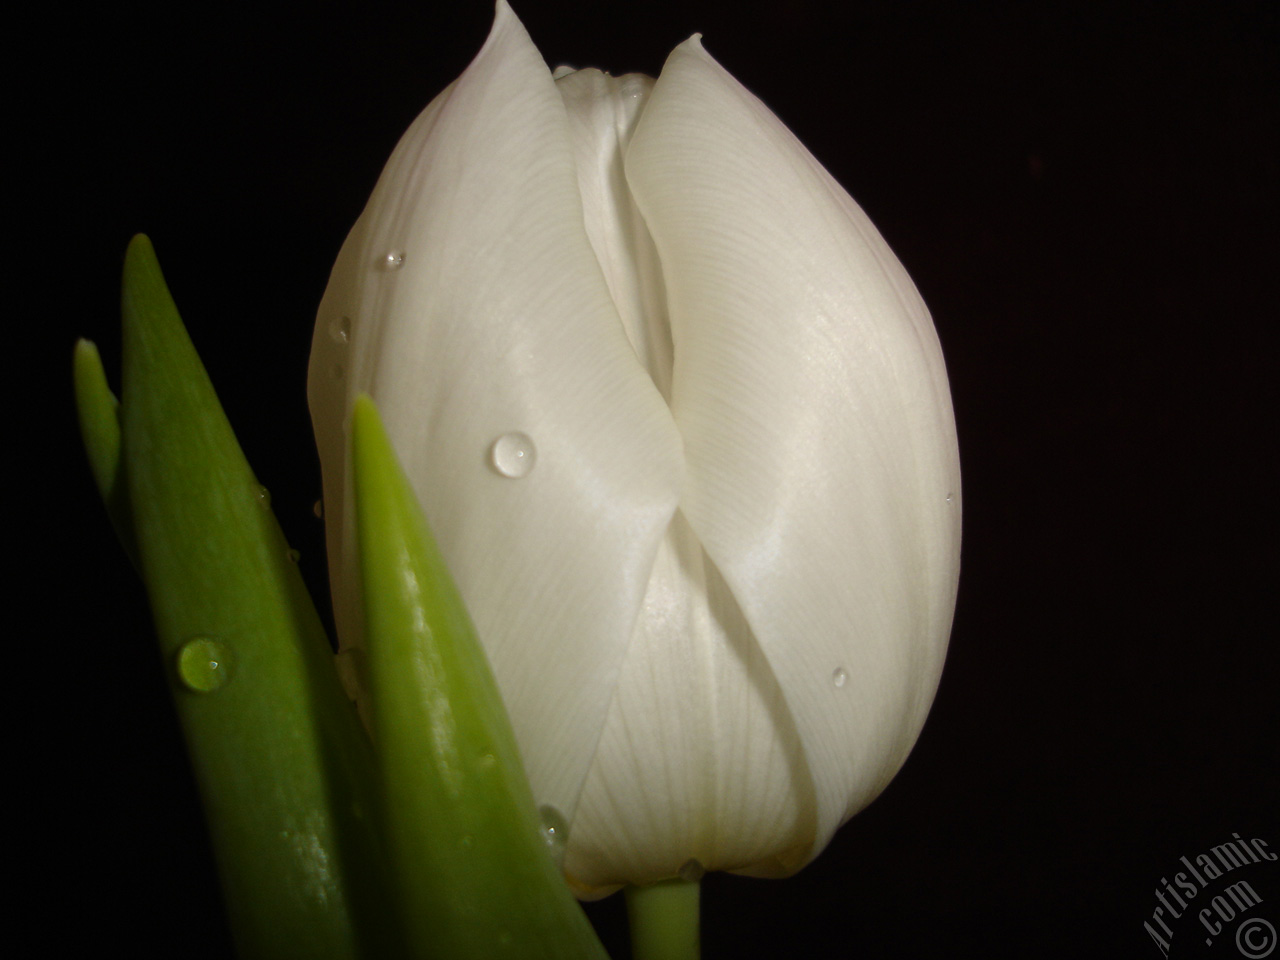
1085,195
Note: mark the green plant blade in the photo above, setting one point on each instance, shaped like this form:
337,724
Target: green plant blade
99,414
284,771
475,879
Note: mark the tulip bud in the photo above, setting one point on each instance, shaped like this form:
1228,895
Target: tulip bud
680,423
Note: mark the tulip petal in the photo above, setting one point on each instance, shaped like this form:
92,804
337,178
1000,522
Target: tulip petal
469,304
698,764
809,388
699,760
603,111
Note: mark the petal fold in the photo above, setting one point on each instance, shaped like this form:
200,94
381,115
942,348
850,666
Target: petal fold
699,759
603,111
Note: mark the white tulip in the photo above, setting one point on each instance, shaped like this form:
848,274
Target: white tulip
680,423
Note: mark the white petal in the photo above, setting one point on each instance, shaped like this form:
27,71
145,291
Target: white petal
699,759
809,388
603,111
499,320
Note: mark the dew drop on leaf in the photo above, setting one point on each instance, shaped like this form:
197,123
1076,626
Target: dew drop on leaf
204,664
555,831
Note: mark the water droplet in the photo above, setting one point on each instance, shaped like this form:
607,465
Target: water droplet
318,509
393,260
337,371
340,329
513,455
839,677
555,831
949,496
204,664
294,555
264,498
691,870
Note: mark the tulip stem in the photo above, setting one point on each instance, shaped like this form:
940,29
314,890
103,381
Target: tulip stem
664,920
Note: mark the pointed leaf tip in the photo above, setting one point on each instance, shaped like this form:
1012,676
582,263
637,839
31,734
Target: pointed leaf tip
474,876
98,411
99,414
283,769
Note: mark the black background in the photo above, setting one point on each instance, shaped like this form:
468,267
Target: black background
1085,195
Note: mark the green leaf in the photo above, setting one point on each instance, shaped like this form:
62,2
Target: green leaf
99,414
284,770
474,877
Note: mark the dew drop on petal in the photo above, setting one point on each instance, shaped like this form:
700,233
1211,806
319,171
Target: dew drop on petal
393,260
294,555
204,664
691,870
340,329
513,455
555,831
318,509
264,497
950,495
839,677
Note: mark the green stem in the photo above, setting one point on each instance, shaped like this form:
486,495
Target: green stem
664,920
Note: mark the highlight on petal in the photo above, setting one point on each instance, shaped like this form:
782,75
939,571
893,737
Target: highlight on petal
810,392
469,304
